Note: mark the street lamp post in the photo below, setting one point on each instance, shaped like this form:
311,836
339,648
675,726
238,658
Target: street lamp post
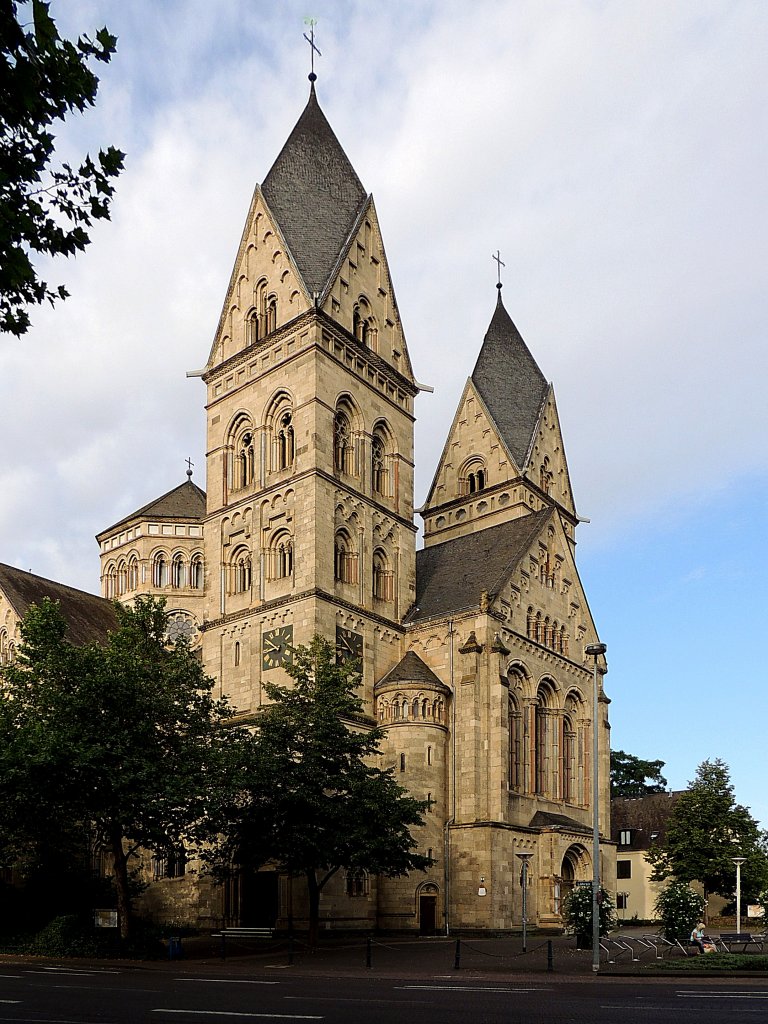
595,651
525,857
738,861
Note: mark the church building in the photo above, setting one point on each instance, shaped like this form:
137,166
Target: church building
472,649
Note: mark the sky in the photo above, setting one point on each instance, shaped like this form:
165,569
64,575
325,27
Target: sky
613,151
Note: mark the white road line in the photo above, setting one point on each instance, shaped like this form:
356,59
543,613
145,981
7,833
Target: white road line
10,1000
467,988
228,981
233,1013
10,975
722,995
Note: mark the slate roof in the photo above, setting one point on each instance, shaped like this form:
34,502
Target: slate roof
89,618
544,819
411,669
646,817
315,195
451,576
187,501
510,383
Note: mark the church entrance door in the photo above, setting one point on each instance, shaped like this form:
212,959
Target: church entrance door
259,899
427,915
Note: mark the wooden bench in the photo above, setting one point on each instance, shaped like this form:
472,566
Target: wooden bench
744,939
241,933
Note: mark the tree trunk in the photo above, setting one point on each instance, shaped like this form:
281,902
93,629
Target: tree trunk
313,890
120,868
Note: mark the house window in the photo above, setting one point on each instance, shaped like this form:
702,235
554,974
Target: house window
625,837
344,559
342,445
159,571
622,898
623,868
171,865
177,572
285,450
196,573
402,762
357,882
379,475
241,572
383,577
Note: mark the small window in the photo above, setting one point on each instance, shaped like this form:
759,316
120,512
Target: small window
429,755
402,762
623,868
622,898
237,653
625,837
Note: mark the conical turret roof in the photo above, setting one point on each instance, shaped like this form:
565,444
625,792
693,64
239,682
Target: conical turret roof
510,383
314,194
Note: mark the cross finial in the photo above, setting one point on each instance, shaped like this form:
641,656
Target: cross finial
312,48
190,464
501,264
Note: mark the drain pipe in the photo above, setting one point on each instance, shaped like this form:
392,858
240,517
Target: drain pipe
452,819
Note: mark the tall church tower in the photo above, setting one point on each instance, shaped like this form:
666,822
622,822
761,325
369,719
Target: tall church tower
309,525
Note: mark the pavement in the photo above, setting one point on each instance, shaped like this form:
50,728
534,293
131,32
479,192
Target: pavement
438,956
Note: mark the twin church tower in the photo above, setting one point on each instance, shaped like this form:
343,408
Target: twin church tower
472,648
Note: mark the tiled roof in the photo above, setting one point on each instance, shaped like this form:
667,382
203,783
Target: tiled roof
644,817
510,383
315,195
411,669
450,577
187,501
89,618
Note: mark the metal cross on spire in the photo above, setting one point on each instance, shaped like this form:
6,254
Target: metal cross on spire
501,264
312,48
190,464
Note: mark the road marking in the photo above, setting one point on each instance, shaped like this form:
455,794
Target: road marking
722,995
228,981
10,975
9,1000
233,1013
467,988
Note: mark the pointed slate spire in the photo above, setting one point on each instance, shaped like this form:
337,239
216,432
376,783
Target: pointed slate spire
315,195
510,383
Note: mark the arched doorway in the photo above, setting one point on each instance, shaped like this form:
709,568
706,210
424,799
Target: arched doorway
575,868
427,899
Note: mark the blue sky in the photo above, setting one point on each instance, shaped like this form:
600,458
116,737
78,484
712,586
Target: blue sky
614,152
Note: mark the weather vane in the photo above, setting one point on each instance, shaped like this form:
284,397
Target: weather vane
312,48
501,264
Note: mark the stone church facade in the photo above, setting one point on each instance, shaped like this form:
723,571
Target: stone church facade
471,649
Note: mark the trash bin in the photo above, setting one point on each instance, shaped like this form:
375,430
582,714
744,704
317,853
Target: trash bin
175,951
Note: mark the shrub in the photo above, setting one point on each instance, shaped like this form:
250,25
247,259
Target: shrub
678,909
577,913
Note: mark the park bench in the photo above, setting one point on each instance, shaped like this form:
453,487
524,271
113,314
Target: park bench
243,934
744,939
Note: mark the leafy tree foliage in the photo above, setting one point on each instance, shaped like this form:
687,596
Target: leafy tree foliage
43,208
577,913
706,830
633,777
678,908
313,803
125,739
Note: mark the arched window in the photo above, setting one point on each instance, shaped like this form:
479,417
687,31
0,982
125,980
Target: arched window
364,324
567,752
240,571
542,739
122,578
343,451
380,483
159,570
546,477
563,646
473,476
4,658
252,327
537,629
133,573
245,460
515,745
271,313
383,577
177,571
280,556
344,559
237,653
196,572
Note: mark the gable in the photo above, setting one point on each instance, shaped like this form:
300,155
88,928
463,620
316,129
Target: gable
474,445
546,466
360,295
264,278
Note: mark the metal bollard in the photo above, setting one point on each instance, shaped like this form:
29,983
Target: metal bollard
290,949
457,958
550,957
368,952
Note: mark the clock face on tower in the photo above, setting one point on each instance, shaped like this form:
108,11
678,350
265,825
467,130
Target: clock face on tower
349,646
276,647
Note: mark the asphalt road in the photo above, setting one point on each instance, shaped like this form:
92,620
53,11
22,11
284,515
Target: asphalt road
61,994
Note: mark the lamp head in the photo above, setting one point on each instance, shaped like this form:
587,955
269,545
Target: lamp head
595,650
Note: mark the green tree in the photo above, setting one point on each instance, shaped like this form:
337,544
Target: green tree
44,209
633,777
678,908
124,738
706,830
313,803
